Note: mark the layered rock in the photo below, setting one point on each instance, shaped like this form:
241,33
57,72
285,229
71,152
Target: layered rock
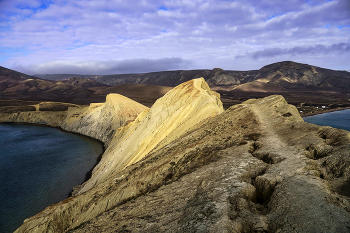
168,119
98,120
257,167
49,118
101,121
186,166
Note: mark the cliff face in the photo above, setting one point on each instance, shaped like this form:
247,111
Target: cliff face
168,119
186,166
257,167
53,119
99,120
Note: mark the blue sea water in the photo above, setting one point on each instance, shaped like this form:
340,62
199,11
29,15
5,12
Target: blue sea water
39,166
337,119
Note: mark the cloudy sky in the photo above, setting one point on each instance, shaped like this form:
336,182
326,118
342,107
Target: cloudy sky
132,36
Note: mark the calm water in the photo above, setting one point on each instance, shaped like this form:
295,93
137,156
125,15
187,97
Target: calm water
39,166
338,119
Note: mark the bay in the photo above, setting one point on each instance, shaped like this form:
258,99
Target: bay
39,166
337,119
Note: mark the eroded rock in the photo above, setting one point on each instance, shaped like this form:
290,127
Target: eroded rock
256,167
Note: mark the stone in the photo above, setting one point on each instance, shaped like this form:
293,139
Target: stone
256,167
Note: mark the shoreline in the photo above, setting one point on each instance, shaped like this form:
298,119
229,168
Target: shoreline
323,111
89,173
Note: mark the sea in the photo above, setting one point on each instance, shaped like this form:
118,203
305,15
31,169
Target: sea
39,166
337,119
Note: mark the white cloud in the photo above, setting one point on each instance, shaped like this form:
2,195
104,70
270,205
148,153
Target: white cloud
136,65
207,32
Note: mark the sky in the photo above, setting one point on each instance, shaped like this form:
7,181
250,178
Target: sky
134,36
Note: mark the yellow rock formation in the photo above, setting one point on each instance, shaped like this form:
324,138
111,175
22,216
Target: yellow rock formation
177,162
169,118
127,143
101,120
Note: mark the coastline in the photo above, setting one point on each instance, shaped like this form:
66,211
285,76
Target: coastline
63,188
173,171
323,111
89,173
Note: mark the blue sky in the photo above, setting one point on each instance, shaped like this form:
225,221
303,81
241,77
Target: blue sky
119,36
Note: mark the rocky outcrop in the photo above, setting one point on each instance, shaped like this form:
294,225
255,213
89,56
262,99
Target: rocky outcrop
48,118
53,106
186,166
99,120
168,119
257,167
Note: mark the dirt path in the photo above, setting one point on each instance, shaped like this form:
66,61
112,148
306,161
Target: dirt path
285,160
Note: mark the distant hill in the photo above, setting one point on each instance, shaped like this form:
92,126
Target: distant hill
84,82
20,90
285,74
15,85
215,77
296,75
8,75
298,83
59,77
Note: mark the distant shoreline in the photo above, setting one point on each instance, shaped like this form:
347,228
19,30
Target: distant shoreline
323,111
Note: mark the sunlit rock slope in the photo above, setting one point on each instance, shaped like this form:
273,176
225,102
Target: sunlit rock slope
189,167
169,118
99,120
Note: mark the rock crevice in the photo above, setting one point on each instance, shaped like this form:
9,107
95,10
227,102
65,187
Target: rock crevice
187,165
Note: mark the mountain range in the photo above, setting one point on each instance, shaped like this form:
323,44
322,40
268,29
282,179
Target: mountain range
281,73
298,83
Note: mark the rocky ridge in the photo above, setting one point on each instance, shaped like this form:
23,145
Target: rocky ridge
102,120
98,120
256,167
168,119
